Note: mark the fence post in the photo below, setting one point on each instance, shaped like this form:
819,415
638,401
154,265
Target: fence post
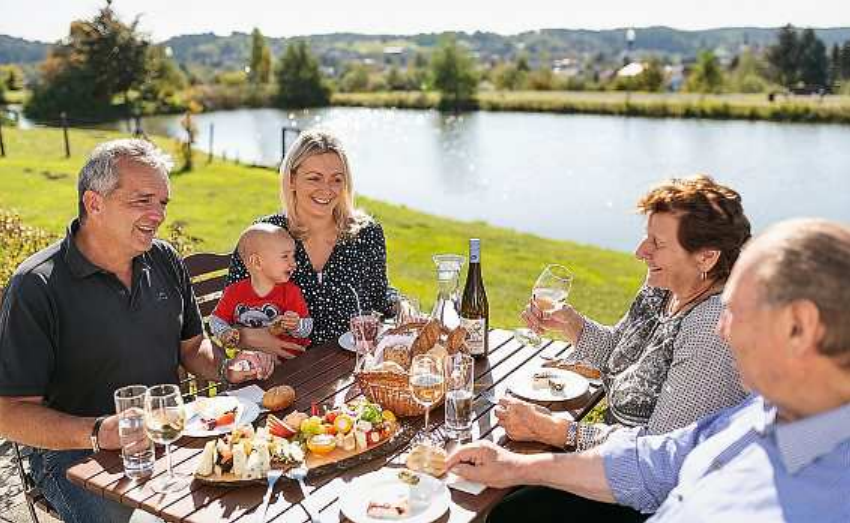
282,143
2,145
64,117
212,134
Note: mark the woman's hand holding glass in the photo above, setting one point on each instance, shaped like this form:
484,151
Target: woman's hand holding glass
548,295
565,321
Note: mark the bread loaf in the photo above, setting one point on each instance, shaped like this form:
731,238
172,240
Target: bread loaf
279,398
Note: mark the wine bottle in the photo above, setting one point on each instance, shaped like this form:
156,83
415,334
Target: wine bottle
474,309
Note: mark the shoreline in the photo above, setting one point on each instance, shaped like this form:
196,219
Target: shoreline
832,109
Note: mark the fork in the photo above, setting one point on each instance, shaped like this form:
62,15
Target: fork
272,477
298,474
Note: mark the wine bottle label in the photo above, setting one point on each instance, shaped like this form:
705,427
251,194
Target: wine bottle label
476,335
474,250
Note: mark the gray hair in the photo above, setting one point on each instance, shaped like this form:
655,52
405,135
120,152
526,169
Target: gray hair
809,259
100,173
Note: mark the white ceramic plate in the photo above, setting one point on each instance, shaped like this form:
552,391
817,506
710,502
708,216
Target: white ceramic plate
384,484
246,413
346,341
574,385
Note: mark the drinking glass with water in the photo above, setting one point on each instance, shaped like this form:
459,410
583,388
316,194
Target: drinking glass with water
460,376
137,449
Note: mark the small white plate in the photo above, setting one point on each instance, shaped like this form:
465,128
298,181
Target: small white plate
575,385
346,341
384,484
246,412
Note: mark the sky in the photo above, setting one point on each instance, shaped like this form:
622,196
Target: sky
47,20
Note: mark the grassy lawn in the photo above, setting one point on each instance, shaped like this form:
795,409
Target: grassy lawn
833,108
216,201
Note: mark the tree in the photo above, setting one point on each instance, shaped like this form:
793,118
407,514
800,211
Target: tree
784,56
299,79
835,67
454,75
261,59
652,77
100,58
814,65
845,60
355,79
706,76
748,75
163,77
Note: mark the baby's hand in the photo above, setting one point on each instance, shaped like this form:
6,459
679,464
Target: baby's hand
287,322
290,320
229,338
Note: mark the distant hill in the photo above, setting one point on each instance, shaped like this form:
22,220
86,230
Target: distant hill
19,51
211,52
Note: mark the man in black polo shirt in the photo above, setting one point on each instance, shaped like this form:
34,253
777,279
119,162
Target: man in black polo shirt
106,307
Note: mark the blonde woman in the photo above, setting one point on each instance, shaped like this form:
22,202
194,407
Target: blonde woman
337,246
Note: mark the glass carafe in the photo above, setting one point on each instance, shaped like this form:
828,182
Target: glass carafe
448,297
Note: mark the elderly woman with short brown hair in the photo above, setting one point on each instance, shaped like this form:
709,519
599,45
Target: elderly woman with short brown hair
663,364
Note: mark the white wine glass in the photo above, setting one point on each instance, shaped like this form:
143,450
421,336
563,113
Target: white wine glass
164,422
426,386
548,295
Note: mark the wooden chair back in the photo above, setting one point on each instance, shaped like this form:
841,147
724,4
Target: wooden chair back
208,272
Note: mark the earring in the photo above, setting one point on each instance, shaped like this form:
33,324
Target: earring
703,275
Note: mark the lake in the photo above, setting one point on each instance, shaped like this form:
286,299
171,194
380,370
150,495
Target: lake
573,177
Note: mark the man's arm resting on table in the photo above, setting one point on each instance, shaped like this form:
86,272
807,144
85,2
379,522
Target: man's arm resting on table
582,474
201,357
25,420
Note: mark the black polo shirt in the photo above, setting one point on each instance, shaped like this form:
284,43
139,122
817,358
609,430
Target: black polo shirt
72,333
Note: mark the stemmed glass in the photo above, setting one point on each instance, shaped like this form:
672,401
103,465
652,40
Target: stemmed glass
164,422
426,385
549,294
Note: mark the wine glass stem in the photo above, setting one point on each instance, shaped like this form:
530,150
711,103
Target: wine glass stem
168,460
427,410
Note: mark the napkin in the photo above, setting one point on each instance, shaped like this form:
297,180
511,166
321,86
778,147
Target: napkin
251,393
456,482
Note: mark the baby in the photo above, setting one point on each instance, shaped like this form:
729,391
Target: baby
267,298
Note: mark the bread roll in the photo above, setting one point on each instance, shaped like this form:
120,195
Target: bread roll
428,459
390,366
399,354
279,398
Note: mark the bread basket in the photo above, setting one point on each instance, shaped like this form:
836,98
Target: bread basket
391,388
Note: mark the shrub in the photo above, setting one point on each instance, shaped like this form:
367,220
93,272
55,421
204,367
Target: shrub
17,243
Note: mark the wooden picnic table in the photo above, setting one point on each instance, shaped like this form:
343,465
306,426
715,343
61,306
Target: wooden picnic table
322,374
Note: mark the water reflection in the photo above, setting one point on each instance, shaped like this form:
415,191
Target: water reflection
564,176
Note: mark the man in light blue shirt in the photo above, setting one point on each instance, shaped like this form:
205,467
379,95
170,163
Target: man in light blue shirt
783,454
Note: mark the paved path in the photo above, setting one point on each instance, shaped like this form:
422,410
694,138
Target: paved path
13,509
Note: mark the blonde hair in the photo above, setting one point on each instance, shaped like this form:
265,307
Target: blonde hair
349,220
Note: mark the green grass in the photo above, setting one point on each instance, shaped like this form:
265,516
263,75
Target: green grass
216,201
830,109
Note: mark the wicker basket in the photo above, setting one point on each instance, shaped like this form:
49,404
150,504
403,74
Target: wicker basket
391,389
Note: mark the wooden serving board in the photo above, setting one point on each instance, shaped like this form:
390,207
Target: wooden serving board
335,461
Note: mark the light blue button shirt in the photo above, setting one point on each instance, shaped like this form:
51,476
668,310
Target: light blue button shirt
737,465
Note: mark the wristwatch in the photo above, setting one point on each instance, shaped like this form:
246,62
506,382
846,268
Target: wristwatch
95,430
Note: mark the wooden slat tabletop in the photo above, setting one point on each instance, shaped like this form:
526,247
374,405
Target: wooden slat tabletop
323,375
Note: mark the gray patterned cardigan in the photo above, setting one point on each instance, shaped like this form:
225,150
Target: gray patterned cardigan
661,372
